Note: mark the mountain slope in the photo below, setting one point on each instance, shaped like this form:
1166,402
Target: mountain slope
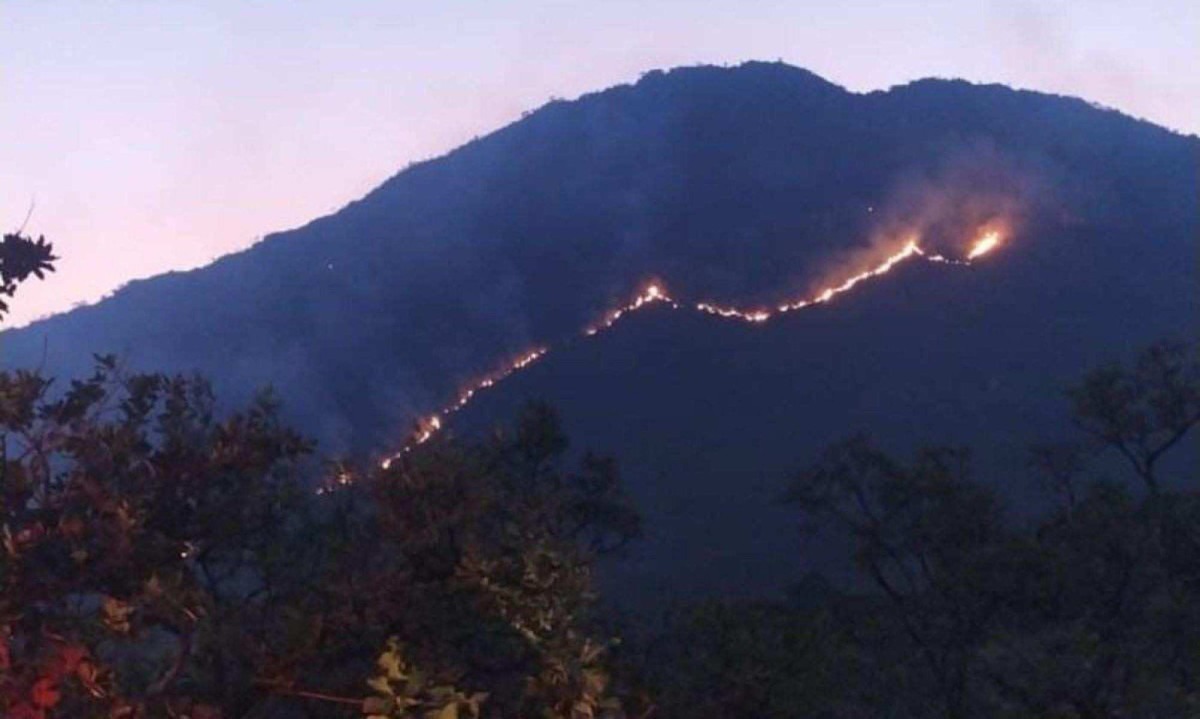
730,184
710,418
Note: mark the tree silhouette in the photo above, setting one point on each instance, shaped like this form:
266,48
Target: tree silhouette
20,257
963,608
159,559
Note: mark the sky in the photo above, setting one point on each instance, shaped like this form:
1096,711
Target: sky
150,136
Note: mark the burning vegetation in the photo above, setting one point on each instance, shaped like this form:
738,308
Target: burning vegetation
986,240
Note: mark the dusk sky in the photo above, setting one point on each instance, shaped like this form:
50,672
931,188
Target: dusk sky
160,135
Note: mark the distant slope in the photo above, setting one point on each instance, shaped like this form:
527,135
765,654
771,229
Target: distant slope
743,183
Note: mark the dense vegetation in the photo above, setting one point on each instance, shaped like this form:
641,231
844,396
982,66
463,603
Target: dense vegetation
745,184
20,258
158,561
160,558
966,608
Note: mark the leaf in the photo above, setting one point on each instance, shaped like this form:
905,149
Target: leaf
70,656
121,711
390,661
45,694
88,675
594,682
23,710
473,703
450,711
378,706
116,614
381,685
205,711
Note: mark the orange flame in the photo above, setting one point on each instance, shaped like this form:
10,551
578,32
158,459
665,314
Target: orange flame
655,294
984,245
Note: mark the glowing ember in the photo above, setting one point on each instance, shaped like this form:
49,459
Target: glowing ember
653,294
986,244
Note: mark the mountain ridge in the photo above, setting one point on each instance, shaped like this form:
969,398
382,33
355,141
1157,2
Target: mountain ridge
728,183
920,83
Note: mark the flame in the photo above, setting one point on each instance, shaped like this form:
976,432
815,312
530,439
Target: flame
909,250
432,424
654,293
754,316
984,245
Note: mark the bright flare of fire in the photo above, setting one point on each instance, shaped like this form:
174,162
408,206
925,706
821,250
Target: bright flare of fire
986,244
654,294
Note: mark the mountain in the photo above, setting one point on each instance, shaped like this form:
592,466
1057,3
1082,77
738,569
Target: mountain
749,185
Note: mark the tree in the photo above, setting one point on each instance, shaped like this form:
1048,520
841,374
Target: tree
159,560
1142,412
137,529
1089,610
747,658
20,257
476,561
1093,612
931,540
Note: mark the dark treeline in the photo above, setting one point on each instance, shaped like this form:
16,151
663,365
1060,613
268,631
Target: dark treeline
965,610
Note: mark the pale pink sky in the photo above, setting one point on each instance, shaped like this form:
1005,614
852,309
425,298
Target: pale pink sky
161,135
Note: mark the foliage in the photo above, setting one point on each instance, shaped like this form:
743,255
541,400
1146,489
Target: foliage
402,691
962,610
160,561
137,529
477,560
744,658
20,257
1141,412
157,559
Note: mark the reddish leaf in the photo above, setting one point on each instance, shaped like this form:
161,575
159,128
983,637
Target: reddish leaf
25,711
205,711
44,694
70,656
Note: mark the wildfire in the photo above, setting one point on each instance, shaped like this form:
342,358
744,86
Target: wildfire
984,245
733,313
910,249
654,293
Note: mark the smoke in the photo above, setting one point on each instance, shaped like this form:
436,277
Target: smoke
947,207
